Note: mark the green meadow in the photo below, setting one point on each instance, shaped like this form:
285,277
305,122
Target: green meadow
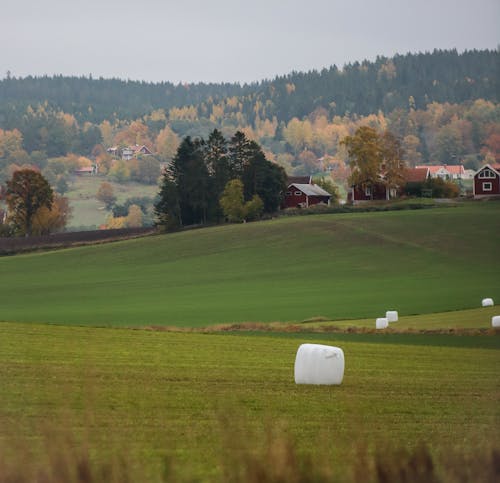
336,266
117,362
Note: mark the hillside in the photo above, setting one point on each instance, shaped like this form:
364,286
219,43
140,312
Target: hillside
334,266
361,88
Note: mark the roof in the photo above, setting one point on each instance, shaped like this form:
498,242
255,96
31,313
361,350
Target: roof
310,189
416,175
85,169
138,148
451,168
494,167
299,179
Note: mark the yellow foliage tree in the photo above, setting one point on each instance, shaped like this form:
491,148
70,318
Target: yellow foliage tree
53,219
134,217
167,143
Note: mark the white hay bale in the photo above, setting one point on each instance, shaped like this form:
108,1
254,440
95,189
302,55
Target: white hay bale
382,323
495,321
392,315
319,364
487,302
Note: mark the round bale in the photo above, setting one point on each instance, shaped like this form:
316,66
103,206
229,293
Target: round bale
319,364
487,302
382,323
392,315
495,321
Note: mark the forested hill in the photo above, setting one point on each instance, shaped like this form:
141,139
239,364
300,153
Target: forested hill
358,88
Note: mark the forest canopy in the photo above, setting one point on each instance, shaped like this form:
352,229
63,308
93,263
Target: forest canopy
443,106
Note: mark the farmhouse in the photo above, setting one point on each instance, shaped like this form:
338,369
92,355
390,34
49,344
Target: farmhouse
446,171
414,178
134,151
87,170
303,195
130,151
373,192
487,181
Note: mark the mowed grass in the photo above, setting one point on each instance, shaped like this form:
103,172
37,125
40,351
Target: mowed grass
197,406
459,319
339,266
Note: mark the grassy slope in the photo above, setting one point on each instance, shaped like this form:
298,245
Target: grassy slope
196,398
336,266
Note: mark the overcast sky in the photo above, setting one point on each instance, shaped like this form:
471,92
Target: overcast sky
229,40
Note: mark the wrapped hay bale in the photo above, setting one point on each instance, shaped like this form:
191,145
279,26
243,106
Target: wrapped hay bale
392,315
495,321
319,364
381,323
487,302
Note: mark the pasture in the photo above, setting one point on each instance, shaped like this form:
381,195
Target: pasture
139,405
88,211
95,385
337,267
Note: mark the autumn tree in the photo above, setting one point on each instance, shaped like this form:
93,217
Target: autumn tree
134,217
365,155
392,161
167,143
106,194
49,220
374,159
27,192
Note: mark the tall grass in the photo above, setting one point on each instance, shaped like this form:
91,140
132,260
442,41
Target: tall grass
273,459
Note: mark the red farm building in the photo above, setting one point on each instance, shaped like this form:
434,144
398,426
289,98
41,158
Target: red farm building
487,181
303,195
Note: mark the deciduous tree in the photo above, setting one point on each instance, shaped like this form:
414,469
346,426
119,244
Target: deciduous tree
106,194
53,219
27,192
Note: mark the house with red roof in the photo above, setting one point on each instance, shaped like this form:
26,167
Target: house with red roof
487,181
133,151
414,178
445,171
87,170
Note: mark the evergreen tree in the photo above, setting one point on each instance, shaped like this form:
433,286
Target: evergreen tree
190,175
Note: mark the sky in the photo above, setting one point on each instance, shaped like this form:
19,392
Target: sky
229,40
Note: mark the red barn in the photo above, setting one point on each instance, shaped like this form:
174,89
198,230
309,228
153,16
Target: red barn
300,195
487,181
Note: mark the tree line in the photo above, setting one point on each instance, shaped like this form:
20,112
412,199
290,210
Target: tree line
362,88
202,171
442,105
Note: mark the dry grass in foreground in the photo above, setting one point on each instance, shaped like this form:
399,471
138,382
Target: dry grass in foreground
276,460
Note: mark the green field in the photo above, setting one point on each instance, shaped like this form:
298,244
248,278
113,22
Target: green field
211,407
336,266
93,399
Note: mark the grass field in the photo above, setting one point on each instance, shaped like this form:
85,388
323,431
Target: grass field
337,266
138,405
92,399
90,212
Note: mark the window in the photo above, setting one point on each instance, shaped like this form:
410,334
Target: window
487,174
288,193
298,193
368,191
487,187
